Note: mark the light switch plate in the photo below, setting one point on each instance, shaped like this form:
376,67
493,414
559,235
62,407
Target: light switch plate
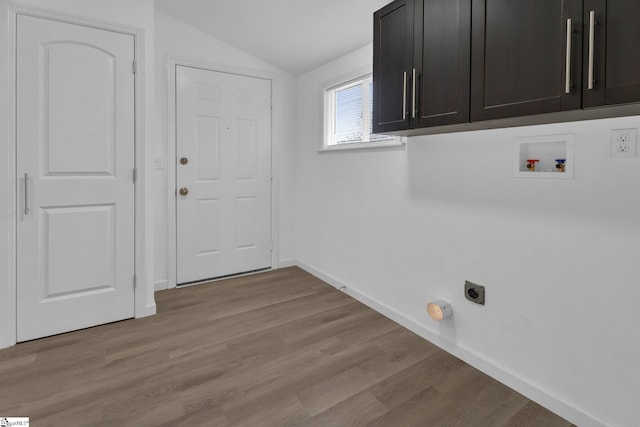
159,164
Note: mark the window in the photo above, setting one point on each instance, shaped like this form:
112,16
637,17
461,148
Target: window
348,118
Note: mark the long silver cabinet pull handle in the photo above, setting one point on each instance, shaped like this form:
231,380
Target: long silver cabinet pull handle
567,69
592,39
404,95
413,91
26,194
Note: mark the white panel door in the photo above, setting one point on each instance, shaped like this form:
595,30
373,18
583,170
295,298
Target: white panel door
75,158
223,151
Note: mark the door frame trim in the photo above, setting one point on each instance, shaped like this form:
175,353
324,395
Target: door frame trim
171,63
143,266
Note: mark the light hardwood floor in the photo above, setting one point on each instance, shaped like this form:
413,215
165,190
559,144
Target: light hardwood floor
275,349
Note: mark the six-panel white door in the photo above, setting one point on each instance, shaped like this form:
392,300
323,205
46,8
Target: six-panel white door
223,174
75,158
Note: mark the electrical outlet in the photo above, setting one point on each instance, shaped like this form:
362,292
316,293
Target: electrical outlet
623,137
474,292
623,143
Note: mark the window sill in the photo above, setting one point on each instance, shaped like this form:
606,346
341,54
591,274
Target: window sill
396,142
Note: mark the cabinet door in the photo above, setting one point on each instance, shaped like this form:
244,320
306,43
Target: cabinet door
442,56
392,66
612,58
519,57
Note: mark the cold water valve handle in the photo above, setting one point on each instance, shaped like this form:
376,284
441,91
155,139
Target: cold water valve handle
560,164
531,164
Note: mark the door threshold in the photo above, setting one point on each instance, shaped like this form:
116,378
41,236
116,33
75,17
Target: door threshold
227,276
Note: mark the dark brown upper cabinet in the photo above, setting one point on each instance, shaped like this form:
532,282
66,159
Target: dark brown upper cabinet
392,66
421,64
526,57
444,62
442,50
611,52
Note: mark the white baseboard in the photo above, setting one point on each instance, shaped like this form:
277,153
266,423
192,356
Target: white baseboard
511,379
6,343
149,310
284,263
336,283
161,285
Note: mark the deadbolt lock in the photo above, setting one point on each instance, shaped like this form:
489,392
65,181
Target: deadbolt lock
184,160
184,191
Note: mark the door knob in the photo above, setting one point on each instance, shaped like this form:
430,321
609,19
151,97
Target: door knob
184,160
184,191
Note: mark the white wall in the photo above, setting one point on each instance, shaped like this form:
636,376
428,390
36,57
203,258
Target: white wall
177,40
136,15
559,258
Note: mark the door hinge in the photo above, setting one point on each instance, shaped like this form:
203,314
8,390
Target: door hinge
135,175
134,66
135,282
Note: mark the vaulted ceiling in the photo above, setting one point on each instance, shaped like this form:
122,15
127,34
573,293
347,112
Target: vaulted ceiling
292,35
